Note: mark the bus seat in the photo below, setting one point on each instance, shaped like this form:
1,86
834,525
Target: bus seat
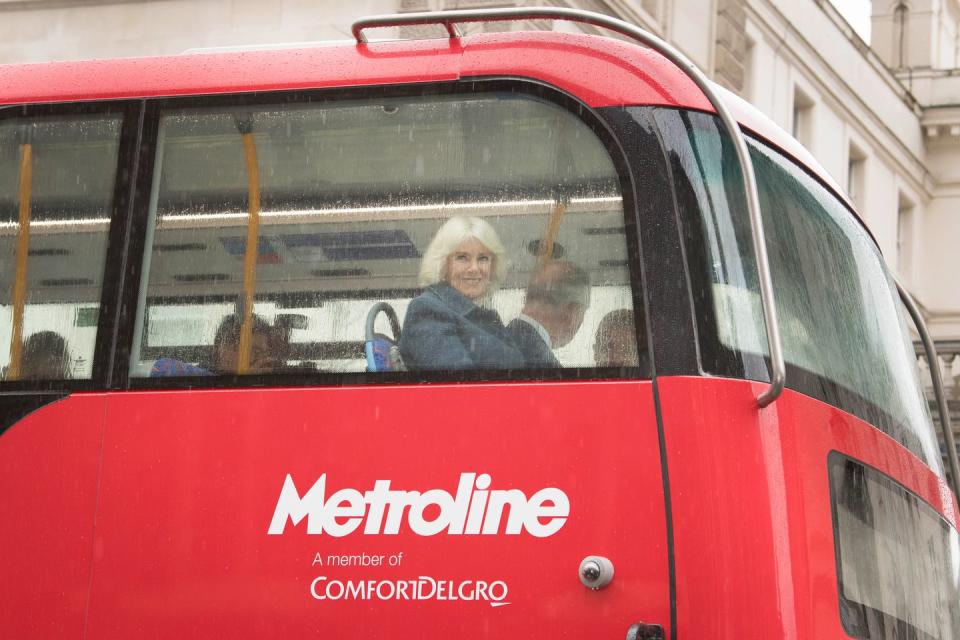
381,351
171,367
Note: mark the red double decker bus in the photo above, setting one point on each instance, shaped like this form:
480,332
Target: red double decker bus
231,408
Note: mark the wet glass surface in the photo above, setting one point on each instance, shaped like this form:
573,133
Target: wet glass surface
898,561
358,204
845,340
58,174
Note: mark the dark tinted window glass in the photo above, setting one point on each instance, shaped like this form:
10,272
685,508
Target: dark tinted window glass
898,561
844,339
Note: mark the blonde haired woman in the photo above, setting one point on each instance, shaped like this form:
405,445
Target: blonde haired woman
448,326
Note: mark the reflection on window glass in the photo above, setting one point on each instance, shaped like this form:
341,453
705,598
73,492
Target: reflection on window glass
56,190
490,226
843,336
898,561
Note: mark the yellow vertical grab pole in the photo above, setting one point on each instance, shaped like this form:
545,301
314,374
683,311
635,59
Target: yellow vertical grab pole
250,256
553,229
24,193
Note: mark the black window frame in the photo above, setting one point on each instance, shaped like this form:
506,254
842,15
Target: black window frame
154,108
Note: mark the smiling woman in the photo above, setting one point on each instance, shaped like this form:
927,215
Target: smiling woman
465,250
449,325
468,268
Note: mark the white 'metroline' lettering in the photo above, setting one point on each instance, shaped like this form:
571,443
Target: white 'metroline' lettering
473,510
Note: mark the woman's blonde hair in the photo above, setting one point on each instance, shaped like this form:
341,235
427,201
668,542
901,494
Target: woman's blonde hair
448,238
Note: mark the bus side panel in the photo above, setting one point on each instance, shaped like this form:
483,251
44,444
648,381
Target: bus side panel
48,471
192,479
750,491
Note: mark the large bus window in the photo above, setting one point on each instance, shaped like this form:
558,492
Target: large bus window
844,340
56,190
898,561
276,228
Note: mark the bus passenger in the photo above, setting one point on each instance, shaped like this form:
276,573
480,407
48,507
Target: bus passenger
281,349
226,347
45,357
615,344
450,325
557,298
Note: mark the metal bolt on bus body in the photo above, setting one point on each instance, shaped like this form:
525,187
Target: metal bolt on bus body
643,631
596,572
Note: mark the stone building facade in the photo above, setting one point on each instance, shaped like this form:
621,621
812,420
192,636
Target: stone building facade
883,118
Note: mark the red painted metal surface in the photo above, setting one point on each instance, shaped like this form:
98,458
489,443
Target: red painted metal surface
600,71
210,73
191,479
751,511
162,509
48,480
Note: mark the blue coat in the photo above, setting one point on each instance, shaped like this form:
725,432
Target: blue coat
536,353
443,329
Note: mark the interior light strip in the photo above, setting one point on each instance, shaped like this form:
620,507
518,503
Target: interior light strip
379,211
96,223
61,225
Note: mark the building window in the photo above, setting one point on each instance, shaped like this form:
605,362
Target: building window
749,56
905,223
802,125
856,175
901,16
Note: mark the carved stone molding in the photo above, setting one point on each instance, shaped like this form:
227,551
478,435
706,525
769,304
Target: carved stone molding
731,44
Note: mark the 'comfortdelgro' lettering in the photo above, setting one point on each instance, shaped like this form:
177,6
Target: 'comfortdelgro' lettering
474,510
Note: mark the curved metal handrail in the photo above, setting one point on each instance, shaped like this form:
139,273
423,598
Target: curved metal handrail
448,19
937,379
